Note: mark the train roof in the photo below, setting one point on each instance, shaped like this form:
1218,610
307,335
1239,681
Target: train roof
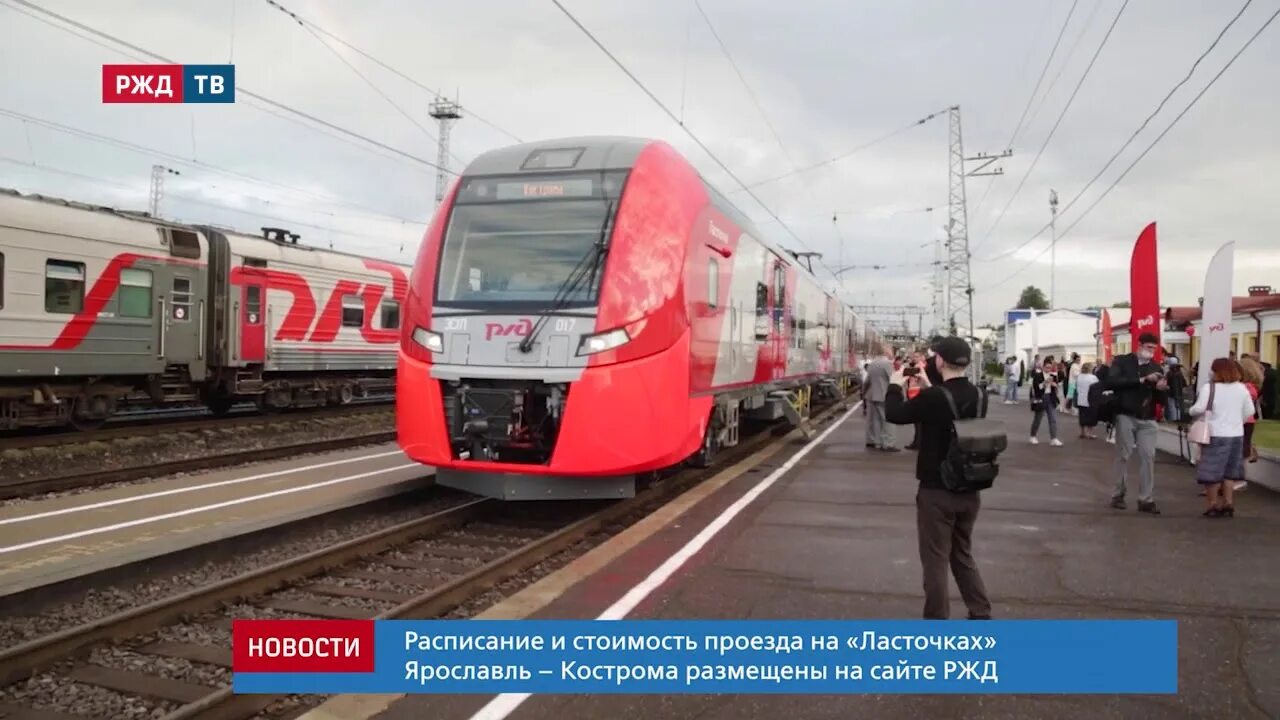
604,152
205,228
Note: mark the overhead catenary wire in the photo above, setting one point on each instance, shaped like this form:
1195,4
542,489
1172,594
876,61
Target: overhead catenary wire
1061,116
1134,136
1149,147
755,99
149,151
674,118
239,90
30,164
844,155
251,102
1031,98
389,68
1066,62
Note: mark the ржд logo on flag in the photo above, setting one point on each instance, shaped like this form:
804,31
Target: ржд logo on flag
168,83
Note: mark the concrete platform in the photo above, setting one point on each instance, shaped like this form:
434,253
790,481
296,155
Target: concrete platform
48,541
835,538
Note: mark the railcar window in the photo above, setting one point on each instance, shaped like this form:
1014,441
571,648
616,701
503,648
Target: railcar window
184,244
63,286
390,315
181,299
521,252
135,293
762,299
253,304
713,283
802,326
352,313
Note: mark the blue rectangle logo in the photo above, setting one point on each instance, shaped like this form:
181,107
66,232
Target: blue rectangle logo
745,657
209,83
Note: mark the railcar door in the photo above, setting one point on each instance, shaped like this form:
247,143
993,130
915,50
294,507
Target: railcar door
253,326
781,313
180,319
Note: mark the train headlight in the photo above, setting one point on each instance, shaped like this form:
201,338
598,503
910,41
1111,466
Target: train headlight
432,341
598,343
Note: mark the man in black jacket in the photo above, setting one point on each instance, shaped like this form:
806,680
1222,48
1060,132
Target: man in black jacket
944,520
1139,385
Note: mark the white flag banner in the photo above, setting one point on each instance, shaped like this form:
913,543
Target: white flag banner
1035,337
1215,316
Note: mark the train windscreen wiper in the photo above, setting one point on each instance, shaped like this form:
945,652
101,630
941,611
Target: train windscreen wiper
585,270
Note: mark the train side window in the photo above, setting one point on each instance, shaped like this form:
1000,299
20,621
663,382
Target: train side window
713,283
184,244
390,315
352,312
253,304
762,299
801,326
63,287
135,293
181,299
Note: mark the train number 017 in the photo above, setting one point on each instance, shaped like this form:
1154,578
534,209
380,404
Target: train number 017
455,324
565,324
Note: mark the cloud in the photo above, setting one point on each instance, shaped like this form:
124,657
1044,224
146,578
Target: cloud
830,75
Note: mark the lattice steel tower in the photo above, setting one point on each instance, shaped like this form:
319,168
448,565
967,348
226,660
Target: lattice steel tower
959,282
157,187
445,112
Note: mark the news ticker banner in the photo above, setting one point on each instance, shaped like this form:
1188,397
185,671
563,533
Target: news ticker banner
168,83
705,656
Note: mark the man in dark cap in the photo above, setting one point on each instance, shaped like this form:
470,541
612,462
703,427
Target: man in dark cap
1140,387
944,519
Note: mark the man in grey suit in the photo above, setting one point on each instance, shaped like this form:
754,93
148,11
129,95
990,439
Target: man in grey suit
879,433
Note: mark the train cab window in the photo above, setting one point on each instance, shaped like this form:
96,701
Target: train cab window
390,315
181,299
184,244
352,312
713,283
135,293
253,304
63,286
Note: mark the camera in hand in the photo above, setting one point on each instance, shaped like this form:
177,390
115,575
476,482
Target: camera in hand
911,371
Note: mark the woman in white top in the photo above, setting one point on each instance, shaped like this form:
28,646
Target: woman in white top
1088,416
1226,404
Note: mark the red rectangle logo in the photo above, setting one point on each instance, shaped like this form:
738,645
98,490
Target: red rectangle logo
141,83
302,646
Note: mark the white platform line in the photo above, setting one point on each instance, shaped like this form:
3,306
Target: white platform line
192,488
200,509
503,705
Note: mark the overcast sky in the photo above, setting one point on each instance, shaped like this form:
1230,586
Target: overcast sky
831,75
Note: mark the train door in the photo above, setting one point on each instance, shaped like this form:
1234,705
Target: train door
781,338
180,293
252,320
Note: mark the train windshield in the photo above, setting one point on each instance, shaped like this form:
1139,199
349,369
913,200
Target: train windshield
516,241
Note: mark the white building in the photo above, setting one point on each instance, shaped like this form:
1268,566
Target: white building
1059,333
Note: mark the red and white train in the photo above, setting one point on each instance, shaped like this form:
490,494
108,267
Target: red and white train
585,310
99,307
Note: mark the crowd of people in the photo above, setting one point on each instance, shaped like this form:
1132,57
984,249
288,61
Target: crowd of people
1130,397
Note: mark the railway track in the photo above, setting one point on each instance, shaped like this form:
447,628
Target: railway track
423,568
22,488
166,424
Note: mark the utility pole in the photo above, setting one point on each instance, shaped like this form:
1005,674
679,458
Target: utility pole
1053,247
445,112
157,187
960,285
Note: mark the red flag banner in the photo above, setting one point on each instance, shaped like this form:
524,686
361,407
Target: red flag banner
1106,337
1144,289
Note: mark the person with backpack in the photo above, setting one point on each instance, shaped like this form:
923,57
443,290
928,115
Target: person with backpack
956,461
